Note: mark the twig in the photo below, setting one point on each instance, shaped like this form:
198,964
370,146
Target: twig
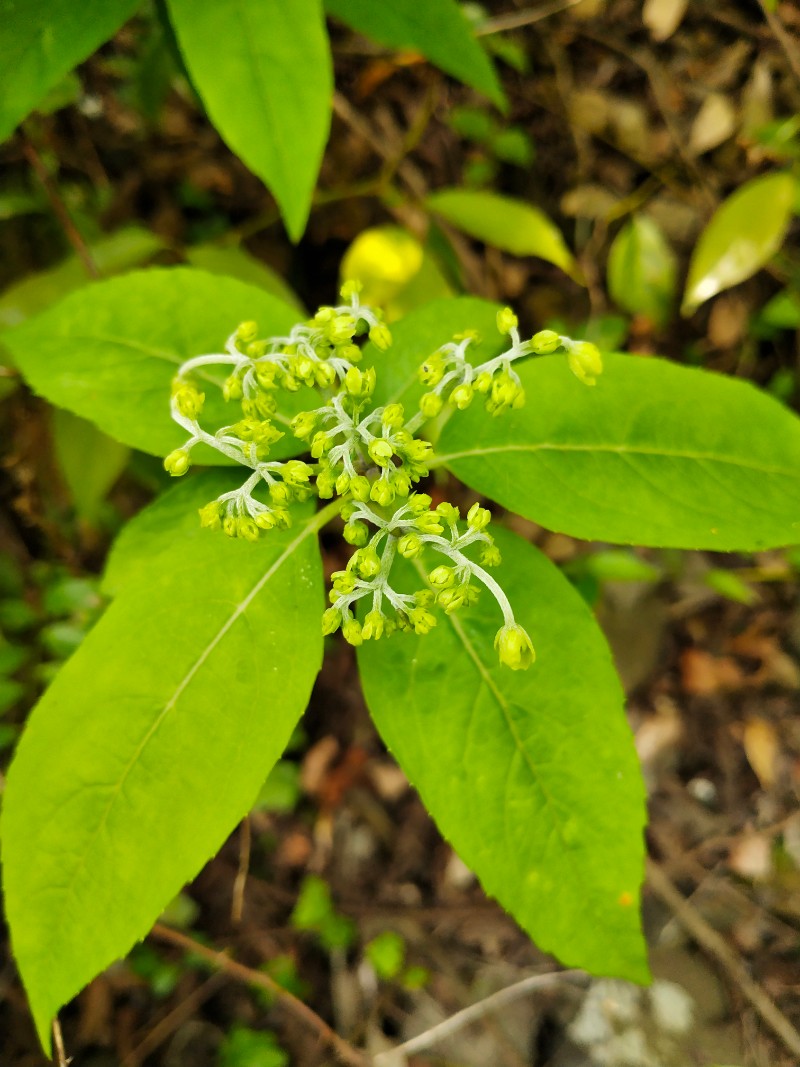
784,39
462,1018
515,20
59,208
58,1043
237,896
346,1053
717,947
185,1010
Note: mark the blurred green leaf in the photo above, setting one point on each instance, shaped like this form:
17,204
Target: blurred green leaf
511,225
263,70
236,262
472,123
730,585
11,691
386,953
782,311
90,461
642,270
436,28
42,40
281,791
742,235
513,146
112,254
251,1048
614,565
12,205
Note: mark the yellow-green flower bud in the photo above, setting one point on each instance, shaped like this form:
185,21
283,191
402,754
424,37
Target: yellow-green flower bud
325,484
478,518
342,483
246,333
432,370
392,416
380,336
331,621
380,451
325,375
344,582
430,404
295,472
419,502
302,425
257,349
351,631
211,515
411,546
428,523
382,493
462,396
178,462
230,525
320,444
248,529
280,493
359,488
341,329
266,374
514,647
352,287
421,620
544,342
442,577
265,520
483,382
356,533
188,400
506,320
374,625
490,556
448,511
585,361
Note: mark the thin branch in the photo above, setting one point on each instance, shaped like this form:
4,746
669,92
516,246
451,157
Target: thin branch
784,39
345,1052
515,20
467,1015
174,1019
717,947
59,208
58,1045
237,896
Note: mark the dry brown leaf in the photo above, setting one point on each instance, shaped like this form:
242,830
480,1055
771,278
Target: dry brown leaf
751,857
761,747
662,17
715,122
703,674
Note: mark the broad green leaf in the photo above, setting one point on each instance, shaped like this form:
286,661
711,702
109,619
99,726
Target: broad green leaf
511,225
655,454
531,775
436,28
150,745
236,262
642,270
109,352
744,232
89,460
42,40
263,70
419,334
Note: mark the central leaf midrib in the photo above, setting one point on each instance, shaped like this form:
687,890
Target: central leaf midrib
621,449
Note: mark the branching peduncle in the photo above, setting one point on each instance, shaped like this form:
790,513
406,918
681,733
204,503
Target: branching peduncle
369,457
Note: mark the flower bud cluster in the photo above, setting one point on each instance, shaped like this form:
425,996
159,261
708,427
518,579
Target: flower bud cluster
368,456
455,380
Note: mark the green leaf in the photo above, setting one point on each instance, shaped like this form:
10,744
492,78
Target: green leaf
419,334
655,454
236,262
743,234
437,29
109,352
42,40
532,776
263,70
642,270
511,225
151,744
90,461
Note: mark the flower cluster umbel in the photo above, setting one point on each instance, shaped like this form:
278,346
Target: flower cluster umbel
368,456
